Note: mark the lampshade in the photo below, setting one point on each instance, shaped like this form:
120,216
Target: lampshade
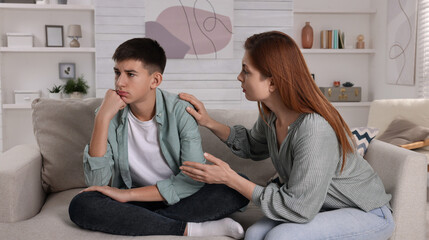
74,31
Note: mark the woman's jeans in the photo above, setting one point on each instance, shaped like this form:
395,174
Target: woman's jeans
345,223
95,211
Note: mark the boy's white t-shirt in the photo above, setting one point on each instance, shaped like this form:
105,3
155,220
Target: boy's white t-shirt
146,162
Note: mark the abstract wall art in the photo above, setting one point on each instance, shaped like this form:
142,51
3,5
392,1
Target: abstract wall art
191,28
401,41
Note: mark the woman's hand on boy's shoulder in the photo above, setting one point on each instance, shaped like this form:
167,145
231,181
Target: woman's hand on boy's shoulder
199,113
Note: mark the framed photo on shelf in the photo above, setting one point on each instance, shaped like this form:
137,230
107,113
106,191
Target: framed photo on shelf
67,70
54,36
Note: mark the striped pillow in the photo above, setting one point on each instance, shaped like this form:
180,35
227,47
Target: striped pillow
362,137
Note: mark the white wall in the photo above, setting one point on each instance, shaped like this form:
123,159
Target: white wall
379,88
213,81
375,37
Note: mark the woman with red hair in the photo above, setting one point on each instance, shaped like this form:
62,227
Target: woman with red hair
326,190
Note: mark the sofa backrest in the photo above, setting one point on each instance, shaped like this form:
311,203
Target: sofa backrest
63,127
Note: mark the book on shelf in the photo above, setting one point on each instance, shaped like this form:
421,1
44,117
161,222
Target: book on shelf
335,39
332,39
329,38
341,40
324,39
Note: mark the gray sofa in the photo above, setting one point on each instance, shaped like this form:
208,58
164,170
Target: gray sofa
38,182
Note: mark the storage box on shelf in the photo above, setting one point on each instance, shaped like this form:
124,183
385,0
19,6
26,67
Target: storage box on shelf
25,96
342,94
19,40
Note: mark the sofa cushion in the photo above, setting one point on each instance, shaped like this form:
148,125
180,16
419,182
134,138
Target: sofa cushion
401,132
62,129
362,137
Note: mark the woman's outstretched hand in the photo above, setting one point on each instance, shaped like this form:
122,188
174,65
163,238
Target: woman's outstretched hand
199,113
217,173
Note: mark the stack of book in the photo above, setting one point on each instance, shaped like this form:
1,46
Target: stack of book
334,39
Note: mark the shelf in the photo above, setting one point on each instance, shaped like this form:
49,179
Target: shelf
47,50
351,104
17,106
47,7
330,11
337,51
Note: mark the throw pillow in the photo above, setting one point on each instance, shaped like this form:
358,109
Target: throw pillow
62,129
362,137
401,132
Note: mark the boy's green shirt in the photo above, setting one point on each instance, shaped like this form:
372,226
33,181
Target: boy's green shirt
179,140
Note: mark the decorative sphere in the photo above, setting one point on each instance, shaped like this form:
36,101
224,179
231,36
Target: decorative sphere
360,37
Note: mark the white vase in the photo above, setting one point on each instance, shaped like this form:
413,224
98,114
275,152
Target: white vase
76,95
55,95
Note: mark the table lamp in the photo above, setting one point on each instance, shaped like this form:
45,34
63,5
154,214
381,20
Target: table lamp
74,32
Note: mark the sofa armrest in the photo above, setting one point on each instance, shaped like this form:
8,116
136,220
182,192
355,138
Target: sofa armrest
404,175
21,190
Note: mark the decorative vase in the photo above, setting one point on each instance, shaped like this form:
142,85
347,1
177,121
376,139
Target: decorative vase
55,95
307,36
76,95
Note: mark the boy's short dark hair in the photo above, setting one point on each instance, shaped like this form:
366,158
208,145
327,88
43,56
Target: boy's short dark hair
146,50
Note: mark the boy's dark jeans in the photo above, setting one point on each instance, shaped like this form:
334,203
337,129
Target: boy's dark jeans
95,211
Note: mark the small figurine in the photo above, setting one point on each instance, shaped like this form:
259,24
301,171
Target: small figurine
348,84
360,44
337,83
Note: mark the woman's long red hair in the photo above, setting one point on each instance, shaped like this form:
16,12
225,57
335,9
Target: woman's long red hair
276,55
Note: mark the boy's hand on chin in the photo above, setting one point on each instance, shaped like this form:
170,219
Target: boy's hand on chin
112,103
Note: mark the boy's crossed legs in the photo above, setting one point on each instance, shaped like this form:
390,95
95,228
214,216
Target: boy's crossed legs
95,211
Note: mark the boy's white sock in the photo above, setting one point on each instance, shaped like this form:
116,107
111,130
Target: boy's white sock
222,227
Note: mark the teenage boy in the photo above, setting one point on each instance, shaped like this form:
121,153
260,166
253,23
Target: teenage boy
140,138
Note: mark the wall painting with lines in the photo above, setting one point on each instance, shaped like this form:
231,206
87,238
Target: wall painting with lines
191,29
401,41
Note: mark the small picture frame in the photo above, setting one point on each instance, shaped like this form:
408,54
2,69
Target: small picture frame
67,70
54,36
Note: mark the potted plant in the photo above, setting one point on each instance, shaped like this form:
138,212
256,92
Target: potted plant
76,88
55,92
